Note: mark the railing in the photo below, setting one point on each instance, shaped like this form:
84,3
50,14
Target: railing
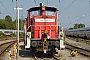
41,28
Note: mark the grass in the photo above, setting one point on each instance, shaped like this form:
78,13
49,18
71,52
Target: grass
3,38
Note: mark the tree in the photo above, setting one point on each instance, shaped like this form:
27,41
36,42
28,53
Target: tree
21,24
8,18
70,28
76,26
2,24
81,26
7,23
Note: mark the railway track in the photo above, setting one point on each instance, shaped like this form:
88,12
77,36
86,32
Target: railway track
41,56
6,46
82,51
52,58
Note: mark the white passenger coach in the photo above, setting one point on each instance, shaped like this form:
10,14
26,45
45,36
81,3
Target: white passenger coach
8,32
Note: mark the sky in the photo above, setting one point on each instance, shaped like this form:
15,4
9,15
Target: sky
70,11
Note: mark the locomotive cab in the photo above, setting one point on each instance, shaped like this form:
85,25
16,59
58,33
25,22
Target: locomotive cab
41,29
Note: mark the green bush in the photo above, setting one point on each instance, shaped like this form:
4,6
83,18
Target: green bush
12,35
2,34
21,34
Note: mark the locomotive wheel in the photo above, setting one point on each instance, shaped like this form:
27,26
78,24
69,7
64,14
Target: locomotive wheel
53,52
33,51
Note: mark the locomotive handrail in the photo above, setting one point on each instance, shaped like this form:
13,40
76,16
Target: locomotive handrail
42,25
50,26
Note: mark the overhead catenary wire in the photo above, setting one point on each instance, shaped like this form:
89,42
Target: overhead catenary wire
35,2
5,7
12,0
82,10
89,1
85,8
59,0
67,7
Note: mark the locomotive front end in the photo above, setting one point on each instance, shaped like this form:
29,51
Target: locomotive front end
42,29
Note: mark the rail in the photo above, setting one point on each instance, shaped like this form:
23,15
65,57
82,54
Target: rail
7,45
52,58
82,51
40,55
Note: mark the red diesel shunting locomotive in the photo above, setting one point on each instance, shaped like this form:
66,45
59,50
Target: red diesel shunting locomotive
41,29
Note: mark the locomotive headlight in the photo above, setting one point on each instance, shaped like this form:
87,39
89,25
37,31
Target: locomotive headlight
34,43
57,43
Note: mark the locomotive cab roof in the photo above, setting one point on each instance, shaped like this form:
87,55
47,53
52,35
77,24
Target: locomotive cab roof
40,8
